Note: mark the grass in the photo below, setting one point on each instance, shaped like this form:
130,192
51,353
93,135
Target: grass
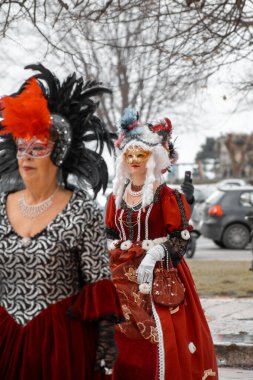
222,278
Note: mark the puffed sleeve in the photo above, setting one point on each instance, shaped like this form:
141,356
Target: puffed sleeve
111,229
171,212
98,298
92,249
175,246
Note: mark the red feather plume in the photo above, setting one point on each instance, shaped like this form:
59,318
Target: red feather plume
27,114
163,125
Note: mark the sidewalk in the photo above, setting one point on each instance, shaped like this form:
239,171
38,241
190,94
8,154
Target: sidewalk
231,324
235,374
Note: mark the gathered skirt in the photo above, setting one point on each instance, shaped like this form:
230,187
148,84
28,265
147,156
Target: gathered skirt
184,349
60,342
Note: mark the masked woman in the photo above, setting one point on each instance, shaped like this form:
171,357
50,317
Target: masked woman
147,227
58,305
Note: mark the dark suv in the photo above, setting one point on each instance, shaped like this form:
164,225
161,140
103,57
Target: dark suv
223,218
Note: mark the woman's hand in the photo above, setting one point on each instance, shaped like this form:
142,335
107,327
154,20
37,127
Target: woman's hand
107,350
188,190
146,267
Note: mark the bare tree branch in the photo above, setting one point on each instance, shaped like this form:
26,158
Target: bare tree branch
153,52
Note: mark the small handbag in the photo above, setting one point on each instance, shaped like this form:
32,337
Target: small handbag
168,290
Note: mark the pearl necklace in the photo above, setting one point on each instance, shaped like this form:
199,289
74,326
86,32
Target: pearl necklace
135,206
134,193
32,211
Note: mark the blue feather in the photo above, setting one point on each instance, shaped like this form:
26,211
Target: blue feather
136,131
129,117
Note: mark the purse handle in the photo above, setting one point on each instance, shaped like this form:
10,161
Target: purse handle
181,209
168,260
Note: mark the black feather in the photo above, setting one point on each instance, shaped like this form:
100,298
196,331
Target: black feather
72,100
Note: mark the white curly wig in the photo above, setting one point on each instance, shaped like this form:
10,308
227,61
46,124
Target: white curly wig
158,161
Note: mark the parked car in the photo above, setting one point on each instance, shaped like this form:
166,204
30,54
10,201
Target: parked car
201,193
232,182
223,218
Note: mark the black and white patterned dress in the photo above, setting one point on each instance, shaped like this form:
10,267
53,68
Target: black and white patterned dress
49,285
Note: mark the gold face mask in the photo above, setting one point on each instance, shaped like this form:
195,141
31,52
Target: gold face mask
136,155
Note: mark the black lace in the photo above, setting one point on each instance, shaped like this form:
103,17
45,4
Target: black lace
107,350
176,248
111,233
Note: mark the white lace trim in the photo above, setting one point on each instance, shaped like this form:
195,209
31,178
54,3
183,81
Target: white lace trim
161,354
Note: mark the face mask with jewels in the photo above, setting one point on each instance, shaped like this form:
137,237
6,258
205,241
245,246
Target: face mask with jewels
33,148
136,155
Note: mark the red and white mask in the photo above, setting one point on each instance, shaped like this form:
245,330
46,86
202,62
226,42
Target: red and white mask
33,148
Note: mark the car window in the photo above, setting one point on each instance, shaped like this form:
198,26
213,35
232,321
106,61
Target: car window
246,199
201,194
215,197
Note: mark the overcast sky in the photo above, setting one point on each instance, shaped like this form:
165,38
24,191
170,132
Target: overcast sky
217,118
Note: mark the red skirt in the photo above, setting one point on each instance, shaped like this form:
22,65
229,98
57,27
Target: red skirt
60,342
188,351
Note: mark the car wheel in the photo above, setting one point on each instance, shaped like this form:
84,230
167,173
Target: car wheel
219,243
236,236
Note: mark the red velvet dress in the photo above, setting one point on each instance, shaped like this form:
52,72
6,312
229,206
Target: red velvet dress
156,343
54,288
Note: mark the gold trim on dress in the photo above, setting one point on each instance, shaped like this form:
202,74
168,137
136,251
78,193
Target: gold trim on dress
131,274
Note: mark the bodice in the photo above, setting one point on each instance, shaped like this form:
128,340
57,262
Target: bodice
142,224
161,217
55,263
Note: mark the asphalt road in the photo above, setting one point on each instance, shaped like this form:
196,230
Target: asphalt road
207,250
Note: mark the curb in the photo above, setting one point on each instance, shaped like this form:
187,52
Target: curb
234,355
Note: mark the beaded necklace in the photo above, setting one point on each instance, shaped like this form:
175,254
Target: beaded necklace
33,211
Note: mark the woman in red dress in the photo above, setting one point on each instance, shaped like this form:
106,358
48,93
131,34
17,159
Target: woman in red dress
58,305
143,214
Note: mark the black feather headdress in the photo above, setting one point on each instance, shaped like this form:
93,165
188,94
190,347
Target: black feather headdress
75,127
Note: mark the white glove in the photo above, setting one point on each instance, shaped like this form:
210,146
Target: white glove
146,267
